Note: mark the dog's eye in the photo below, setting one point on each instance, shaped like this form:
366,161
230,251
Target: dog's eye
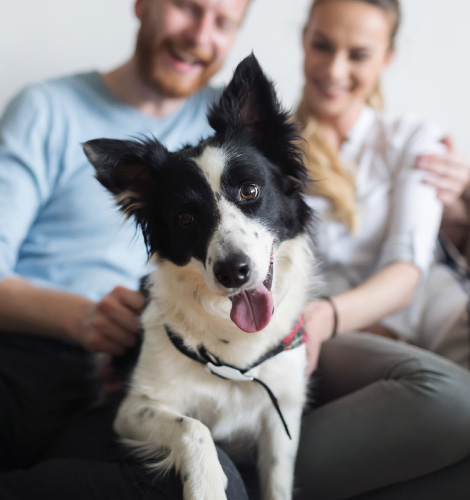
184,219
249,192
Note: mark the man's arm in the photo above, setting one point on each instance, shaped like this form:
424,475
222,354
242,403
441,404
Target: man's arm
109,325
28,175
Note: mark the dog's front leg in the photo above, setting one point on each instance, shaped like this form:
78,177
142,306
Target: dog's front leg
186,444
277,453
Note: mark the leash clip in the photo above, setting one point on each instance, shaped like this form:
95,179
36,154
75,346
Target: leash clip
228,372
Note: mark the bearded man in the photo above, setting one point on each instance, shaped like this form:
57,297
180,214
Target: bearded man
68,272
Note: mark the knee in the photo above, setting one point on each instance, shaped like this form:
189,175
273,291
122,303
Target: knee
438,393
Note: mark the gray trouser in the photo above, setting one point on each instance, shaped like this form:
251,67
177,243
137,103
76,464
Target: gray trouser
444,326
390,416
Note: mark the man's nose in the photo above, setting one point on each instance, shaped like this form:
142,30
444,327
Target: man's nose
201,31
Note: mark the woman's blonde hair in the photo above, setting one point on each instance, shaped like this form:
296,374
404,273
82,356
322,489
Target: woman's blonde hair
330,178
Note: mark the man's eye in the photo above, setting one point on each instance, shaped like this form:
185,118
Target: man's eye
249,192
184,219
359,56
187,6
321,46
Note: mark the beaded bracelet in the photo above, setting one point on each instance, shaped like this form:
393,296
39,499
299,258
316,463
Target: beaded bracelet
335,315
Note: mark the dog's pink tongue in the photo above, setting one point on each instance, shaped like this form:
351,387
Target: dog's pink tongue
252,310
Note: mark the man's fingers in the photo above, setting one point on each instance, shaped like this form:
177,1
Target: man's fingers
443,183
100,342
450,187
440,163
122,337
121,328
112,348
449,143
447,192
119,313
449,173
450,165
453,178
130,298
448,198
116,322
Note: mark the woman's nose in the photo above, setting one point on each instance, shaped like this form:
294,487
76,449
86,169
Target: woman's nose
338,66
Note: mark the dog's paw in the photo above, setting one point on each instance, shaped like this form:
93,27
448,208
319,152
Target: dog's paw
210,485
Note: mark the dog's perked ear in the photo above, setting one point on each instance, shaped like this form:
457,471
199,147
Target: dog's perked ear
249,105
122,168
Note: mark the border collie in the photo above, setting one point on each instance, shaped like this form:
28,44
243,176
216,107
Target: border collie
226,225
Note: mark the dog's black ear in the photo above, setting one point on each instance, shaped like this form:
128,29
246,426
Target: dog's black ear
249,105
125,168
248,100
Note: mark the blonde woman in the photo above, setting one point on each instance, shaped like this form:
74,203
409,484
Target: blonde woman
389,415
380,216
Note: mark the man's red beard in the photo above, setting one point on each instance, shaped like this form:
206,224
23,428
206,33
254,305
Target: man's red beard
167,81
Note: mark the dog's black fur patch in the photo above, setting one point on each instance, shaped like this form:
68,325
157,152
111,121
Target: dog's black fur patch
163,190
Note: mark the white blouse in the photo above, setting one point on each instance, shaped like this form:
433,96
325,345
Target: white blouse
399,215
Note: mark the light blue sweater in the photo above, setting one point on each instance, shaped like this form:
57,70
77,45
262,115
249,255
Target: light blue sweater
59,228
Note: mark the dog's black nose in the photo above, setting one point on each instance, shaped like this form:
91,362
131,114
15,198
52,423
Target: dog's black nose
234,271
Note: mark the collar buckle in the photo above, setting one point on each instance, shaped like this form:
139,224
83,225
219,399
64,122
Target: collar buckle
228,372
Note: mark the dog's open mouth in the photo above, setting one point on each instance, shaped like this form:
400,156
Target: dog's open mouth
252,309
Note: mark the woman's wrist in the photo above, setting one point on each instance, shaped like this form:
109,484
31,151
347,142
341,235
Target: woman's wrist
334,329
320,320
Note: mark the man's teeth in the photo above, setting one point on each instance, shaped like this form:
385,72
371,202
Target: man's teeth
184,57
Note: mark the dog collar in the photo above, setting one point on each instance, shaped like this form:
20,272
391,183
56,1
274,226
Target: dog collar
214,365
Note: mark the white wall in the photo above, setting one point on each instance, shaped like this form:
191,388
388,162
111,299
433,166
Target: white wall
431,76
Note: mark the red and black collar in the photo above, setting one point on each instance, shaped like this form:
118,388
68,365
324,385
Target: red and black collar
214,365
296,338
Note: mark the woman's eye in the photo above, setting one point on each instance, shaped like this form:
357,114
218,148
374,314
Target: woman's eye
249,192
185,219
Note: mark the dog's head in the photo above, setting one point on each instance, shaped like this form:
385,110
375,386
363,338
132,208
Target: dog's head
226,203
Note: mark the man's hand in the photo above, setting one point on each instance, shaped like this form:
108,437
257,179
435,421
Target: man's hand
449,173
111,325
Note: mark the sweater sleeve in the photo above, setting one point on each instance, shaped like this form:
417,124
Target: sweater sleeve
26,178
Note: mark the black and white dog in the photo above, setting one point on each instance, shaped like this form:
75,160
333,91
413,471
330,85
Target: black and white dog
226,225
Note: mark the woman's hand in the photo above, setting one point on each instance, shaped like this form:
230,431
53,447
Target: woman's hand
449,173
112,324
319,323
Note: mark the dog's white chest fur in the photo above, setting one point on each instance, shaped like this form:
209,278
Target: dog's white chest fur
174,402
232,410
